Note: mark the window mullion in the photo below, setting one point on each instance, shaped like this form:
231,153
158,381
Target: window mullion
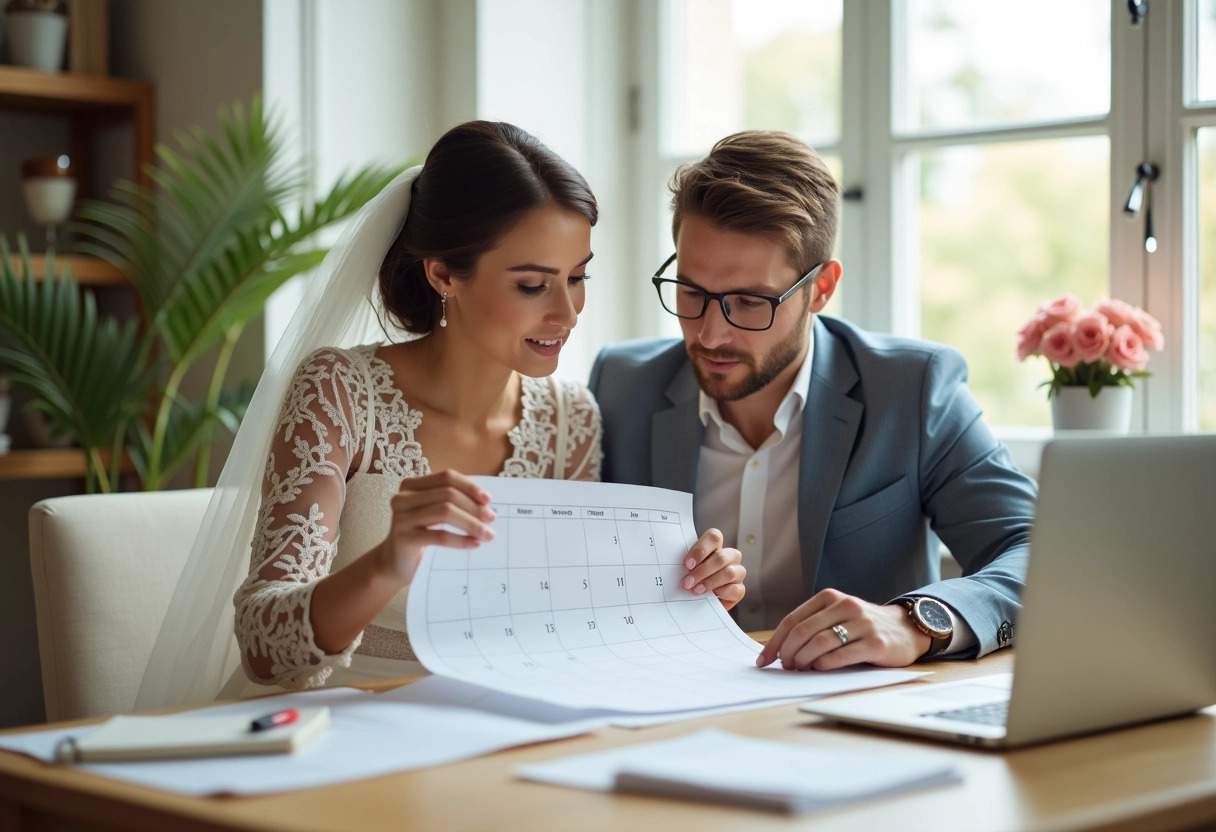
875,292
1171,273
647,113
1127,150
855,224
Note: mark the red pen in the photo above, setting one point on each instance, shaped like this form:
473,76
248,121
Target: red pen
274,720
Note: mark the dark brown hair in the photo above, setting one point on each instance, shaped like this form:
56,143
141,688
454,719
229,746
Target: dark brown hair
478,180
767,183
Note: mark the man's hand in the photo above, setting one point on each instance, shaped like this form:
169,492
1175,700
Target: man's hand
879,635
710,567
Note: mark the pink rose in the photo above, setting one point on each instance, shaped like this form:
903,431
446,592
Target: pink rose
1149,329
1126,351
1029,337
1058,347
1064,309
1115,311
1091,336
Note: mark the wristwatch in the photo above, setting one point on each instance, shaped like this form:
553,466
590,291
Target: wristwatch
933,619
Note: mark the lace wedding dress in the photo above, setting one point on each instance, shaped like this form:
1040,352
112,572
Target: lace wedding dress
345,440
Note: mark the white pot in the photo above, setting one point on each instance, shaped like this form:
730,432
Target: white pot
49,198
36,39
1110,411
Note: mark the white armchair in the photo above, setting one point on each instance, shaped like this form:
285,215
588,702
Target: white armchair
104,569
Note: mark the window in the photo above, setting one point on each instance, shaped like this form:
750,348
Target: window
1010,152
1202,113
724,68
990,175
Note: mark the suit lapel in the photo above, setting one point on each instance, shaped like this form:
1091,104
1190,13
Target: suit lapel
829,426
675,435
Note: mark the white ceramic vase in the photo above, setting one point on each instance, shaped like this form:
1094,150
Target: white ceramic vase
36,39
1110,411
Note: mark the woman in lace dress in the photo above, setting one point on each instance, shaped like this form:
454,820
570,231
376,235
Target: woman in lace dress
489,269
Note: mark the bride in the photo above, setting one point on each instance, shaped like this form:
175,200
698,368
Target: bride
475,267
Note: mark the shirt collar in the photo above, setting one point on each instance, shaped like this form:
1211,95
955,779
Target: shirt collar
791,405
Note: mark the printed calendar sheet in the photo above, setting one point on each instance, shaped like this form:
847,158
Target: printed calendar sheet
577,601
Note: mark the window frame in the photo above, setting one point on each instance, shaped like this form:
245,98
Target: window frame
1152,67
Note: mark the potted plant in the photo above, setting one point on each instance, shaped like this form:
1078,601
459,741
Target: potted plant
1094,356
204,248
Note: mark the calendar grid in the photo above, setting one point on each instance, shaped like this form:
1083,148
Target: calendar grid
579,601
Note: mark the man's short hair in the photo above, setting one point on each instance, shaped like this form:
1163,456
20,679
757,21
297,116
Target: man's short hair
763,182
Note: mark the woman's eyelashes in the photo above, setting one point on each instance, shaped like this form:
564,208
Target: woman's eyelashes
531,291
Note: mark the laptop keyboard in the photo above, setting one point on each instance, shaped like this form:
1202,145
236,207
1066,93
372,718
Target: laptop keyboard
990,713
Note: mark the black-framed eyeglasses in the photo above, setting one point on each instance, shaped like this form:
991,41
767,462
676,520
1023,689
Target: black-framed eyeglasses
745,310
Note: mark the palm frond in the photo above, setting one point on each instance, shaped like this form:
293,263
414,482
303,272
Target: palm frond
191,425
90,377
237,281
204,192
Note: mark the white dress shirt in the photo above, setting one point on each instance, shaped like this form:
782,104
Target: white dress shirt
751,496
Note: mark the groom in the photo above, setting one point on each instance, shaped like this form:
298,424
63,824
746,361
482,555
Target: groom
826,454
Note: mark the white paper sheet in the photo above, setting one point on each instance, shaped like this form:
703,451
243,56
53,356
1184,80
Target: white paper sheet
717,766
577,601
369,735
445,690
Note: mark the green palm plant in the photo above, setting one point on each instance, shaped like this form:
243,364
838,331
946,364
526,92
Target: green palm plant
226,222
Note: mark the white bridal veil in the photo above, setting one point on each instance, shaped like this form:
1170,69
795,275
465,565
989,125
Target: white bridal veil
195,652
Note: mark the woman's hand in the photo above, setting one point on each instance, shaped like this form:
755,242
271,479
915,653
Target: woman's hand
421,507
710,567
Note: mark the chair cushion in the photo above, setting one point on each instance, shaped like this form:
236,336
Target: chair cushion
104,568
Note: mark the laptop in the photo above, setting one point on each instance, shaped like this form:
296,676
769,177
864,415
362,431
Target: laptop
1118,619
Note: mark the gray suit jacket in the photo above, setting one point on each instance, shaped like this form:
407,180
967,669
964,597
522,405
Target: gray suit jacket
893,447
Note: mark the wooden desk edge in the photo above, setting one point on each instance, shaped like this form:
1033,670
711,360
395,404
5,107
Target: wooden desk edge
33,790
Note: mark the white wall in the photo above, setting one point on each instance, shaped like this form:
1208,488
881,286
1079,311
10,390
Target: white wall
556,69
357,83
381,80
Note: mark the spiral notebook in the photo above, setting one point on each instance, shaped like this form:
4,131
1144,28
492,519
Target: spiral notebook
193,734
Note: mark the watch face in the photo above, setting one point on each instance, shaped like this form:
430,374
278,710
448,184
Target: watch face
934,615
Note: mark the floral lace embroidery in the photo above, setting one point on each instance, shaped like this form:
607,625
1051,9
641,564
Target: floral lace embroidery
293,547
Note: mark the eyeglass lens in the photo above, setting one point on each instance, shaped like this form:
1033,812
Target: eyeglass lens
746,311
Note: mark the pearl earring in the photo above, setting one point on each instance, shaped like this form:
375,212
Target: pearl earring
443,319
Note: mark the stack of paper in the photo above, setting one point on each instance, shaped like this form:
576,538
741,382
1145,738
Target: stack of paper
723,768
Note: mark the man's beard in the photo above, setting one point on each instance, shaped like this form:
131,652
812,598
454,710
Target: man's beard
716,387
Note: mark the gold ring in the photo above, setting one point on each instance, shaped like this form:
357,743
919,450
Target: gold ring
841,633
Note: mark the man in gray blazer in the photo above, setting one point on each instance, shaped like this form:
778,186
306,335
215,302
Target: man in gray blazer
826,454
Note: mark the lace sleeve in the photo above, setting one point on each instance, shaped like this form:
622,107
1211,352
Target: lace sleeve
321,423
583,431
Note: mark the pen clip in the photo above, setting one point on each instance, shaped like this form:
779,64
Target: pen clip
274,720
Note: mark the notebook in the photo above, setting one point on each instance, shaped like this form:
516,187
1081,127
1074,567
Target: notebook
194,734
719,767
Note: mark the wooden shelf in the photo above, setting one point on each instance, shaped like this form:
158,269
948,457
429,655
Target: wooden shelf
87,271
69,92
47,463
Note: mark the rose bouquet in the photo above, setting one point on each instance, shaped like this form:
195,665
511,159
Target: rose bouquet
1105,347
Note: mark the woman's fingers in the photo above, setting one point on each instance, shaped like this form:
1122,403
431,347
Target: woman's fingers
440,513
447,479
406,502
